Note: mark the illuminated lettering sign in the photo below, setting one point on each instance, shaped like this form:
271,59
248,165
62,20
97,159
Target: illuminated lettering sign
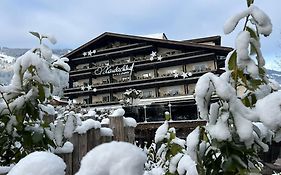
126,68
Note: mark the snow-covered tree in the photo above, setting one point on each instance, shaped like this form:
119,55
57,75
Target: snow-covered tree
131,95
245,119
24,103
239,124
172,155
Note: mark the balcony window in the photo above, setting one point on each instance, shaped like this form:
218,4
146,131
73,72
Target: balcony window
146,75
191,89
122,60
147,94
169,71
124,79
105,81
76,84
86,101
105,98
200,67
85,83
115,98
102,63
171,91
82,66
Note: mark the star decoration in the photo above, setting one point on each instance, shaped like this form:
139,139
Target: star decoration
82,88
90,53
176,75
151,58
189,74
159,58
89,87
84,54
153,54
69,102
184,75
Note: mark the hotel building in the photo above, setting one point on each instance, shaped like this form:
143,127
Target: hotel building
166,72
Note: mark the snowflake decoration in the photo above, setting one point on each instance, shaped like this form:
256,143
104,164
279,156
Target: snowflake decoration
159,58
89,87
82,88
90,53
85,54
184,75
69,102
153,54
176,75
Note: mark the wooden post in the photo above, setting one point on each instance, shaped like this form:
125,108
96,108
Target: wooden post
105,139
75,154
117,126
83,146
93,138
68,161
130,134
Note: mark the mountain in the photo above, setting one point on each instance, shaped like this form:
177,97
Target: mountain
273,74
6,65
16,52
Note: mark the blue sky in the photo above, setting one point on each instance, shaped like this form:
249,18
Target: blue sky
75,22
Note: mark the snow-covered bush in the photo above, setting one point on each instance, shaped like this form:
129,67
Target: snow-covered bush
131,96
39,163
114,158
243,121
24,103
173,156
246,116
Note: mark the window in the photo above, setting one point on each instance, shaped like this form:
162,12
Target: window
122,60
124,79
191,89
105,81
146,75
102,63
85,83
86,100
105,98
200,67
147,94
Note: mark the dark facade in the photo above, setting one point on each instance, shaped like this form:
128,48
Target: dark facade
165,71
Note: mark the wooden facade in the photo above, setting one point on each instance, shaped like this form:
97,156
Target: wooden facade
165,71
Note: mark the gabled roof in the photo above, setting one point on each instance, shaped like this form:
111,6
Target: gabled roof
187,43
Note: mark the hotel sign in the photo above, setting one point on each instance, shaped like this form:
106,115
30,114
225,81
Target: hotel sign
120,69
